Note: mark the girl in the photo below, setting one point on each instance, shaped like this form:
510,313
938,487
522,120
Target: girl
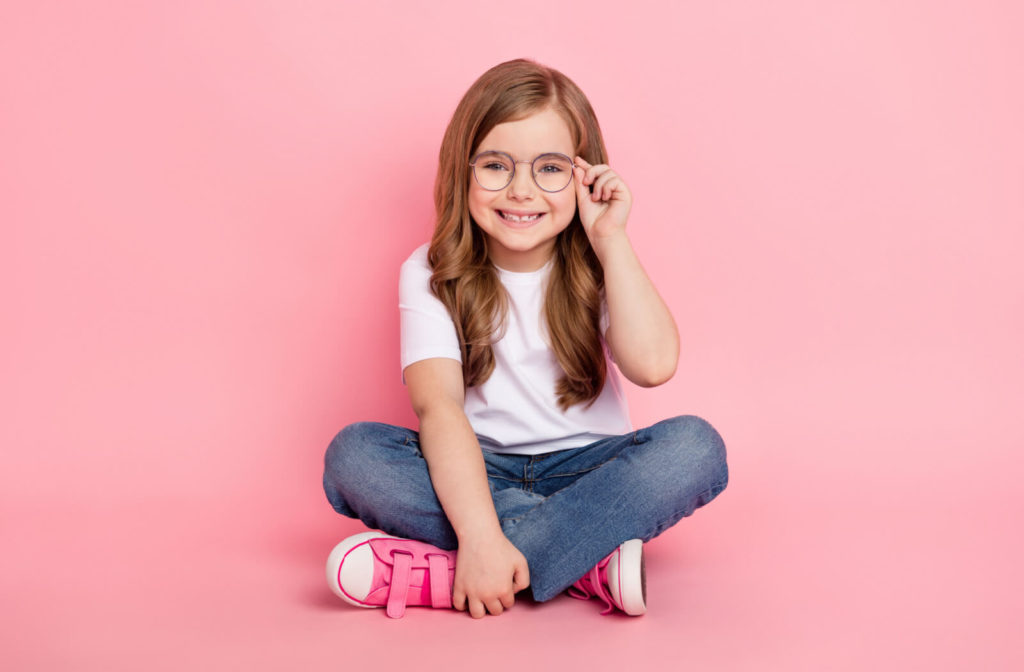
525,460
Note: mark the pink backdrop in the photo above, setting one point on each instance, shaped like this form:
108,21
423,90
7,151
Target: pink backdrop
204,207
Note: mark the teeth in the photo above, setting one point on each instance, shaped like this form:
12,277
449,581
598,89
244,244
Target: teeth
516,218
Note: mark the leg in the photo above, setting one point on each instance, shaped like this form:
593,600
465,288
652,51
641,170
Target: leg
508,477
375,472
642,484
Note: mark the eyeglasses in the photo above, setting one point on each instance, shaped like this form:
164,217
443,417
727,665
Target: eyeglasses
494,170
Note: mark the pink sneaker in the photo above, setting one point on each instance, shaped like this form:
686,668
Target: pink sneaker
619,580
373,569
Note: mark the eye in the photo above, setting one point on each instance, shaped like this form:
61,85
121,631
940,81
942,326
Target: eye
552,164
551,168
493,162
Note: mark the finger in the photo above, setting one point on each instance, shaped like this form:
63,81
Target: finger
610,190
508,600
603,179
605,185
495,607
476,608
458,596
594,172
521,578
581,189
587,168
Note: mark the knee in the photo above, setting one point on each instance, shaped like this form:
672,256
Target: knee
692,444
348,452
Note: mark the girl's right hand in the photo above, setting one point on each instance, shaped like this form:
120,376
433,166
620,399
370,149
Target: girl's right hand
489,570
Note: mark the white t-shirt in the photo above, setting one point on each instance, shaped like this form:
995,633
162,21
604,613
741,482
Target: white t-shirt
515,410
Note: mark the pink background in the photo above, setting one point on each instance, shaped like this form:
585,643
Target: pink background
204,207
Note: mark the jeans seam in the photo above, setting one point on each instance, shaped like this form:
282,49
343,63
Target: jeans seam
545,500
577,473
505,478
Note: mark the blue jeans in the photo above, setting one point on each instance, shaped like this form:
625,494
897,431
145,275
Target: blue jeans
564,510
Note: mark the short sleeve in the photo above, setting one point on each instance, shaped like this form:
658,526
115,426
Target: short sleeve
427,329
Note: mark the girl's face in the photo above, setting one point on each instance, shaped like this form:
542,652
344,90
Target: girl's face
521,221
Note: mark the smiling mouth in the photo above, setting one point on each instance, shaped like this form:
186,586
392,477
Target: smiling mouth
520,219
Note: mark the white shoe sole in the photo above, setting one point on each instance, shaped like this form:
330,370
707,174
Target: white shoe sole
627,578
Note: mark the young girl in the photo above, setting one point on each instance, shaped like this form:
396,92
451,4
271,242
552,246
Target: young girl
525,460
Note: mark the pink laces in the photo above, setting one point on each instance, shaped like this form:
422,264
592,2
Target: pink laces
593,583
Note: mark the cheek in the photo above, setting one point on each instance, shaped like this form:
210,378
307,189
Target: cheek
567,203
477,203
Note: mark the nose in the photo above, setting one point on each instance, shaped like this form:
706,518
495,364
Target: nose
521,187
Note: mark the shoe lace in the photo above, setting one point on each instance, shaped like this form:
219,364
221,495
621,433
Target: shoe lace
593,584
401,576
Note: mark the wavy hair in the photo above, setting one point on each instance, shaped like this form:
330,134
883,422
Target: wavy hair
463,277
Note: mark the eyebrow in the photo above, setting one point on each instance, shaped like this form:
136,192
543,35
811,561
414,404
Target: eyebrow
501,151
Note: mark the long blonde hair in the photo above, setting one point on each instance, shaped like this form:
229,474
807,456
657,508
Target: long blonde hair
463,277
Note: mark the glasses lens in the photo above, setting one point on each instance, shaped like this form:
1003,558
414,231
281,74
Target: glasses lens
553,172
492,170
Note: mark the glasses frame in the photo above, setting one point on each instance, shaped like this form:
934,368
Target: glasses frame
533,173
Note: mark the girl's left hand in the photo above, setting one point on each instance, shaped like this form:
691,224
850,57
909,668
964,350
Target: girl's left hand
605,210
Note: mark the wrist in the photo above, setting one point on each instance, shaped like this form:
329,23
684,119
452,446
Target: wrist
609,247
479,532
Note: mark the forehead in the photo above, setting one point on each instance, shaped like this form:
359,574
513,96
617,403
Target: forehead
544,131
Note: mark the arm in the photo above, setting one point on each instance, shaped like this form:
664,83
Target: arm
641,334
489,569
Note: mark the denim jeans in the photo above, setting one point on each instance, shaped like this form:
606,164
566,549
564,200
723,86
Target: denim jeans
565,510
